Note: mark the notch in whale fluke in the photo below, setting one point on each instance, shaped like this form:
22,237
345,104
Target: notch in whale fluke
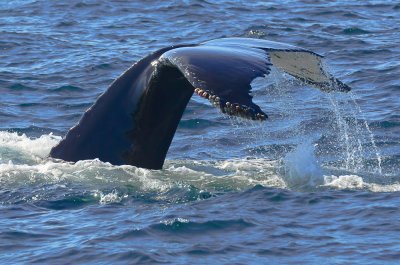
135,119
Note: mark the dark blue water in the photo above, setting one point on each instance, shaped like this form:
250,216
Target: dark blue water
318,183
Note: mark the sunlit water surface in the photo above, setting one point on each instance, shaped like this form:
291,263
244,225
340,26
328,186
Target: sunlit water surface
317,183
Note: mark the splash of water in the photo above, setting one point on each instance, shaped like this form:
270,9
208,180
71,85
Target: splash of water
355,137
371,135
302,168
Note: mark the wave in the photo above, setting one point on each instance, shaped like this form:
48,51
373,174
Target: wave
67,88
28,175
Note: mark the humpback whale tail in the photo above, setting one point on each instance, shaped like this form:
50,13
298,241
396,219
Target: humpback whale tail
134,120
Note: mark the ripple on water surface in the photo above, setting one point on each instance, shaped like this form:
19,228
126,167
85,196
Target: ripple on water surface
318,182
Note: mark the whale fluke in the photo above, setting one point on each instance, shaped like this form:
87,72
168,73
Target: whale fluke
134,120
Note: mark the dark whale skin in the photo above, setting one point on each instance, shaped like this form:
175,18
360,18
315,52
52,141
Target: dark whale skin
134,121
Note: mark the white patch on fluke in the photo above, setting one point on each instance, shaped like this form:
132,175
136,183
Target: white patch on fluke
300,64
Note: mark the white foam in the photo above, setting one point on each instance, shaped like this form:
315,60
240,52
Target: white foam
37,148
148,179
112,197
172,221
298,170
250,172
344,182
356,182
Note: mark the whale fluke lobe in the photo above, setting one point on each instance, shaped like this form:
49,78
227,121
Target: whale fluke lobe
134,120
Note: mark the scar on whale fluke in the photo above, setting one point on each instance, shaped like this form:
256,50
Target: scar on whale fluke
134,120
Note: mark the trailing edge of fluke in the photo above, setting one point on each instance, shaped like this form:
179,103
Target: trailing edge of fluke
134,120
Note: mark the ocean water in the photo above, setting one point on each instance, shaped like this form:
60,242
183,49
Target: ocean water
317,183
